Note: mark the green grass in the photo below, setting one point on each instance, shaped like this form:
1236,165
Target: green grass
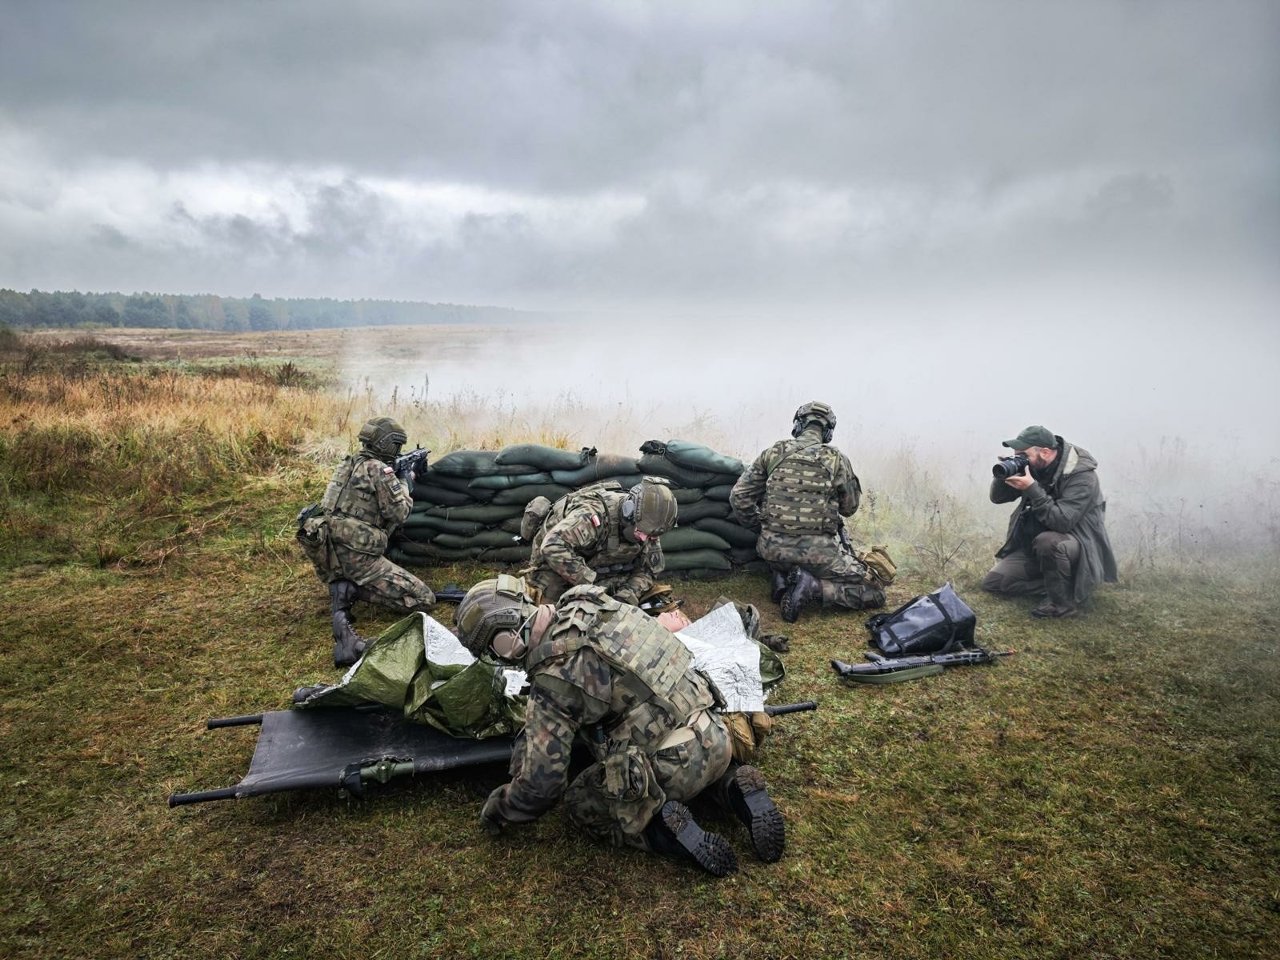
1109,791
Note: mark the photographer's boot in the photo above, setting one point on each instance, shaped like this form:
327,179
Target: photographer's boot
743,792
777,586
802,588
674,833
348,646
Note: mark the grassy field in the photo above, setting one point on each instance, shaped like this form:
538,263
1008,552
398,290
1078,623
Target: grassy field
1110,791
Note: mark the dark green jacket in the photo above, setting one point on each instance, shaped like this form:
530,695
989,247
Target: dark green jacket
1068,500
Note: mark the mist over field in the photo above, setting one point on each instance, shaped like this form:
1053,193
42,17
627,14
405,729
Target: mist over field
1173,390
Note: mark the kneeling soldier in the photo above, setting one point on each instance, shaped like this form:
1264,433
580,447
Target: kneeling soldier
604,535
345,536
607,676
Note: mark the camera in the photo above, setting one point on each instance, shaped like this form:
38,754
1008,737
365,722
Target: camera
1007,467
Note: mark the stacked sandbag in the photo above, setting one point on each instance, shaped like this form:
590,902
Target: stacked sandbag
468,504
707,540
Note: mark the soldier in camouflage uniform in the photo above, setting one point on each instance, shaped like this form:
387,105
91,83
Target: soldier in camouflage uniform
796,494
603,535
606,676
345,536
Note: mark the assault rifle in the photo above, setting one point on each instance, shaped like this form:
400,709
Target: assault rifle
883,669
407,464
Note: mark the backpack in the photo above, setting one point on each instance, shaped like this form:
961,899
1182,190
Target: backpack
938,622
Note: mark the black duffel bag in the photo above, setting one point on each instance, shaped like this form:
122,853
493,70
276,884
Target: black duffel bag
938,622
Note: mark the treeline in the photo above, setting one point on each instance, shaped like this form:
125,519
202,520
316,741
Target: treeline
209,312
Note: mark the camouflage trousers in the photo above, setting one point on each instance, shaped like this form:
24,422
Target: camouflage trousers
845,581
615,799
377,579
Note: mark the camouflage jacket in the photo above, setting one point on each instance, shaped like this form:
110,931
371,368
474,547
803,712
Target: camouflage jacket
608,671
582,541
364,503
797,487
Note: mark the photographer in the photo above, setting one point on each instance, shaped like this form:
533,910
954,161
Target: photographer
1057,541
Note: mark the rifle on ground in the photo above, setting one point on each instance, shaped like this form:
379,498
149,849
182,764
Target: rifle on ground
883,669
407,464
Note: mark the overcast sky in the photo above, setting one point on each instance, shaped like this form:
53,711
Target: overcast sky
616,154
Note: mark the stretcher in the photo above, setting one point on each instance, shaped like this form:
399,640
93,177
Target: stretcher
344,747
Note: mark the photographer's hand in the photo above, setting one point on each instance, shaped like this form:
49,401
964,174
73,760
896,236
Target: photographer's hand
1021,481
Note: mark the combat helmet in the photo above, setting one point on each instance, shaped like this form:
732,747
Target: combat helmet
383,437
815,411
650,507
495,610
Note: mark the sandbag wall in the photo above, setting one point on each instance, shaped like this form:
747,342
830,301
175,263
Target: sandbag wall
468,504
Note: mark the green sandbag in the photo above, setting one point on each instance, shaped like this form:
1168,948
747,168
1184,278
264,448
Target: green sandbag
603,467
522,495
736,535
693,456
545,458
691,538
418,534
459,528
657,466
503,482
477,463
512,526
439,496
719,492
687,494
433,478
485,538
689,560
688,513
490,514
516,553
743,555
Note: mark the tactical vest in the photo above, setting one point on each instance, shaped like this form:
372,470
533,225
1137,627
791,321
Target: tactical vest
617,555
798,492
351,494
655,667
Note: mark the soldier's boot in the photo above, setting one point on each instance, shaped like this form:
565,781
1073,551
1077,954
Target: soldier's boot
743,792
802,588
777,586
674,833
348,646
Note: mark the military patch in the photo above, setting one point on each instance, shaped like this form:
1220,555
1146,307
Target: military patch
387,470
595,521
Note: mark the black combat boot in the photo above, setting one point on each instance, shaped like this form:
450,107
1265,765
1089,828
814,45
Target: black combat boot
348,646
777,586
802,588
743,792
674,833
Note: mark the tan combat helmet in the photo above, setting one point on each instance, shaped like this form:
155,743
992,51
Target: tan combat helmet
650,507
490,609
815,411
383,437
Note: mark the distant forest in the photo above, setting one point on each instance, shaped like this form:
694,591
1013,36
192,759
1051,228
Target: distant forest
209,312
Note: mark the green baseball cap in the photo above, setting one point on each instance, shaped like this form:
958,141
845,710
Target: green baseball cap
1033,436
